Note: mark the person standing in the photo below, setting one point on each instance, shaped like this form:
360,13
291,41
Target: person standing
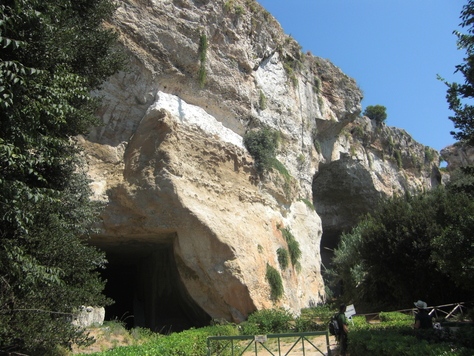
343,330
422,319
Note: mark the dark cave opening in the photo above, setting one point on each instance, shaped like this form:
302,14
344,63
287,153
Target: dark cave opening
144,282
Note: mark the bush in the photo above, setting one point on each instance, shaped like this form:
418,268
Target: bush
276,285
262,147
377,112
393,343
270,321
187,343
395,316
283,258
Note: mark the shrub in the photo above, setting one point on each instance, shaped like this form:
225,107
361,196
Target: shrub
295,251
377,113
262,147
239,10
293,246
229,5
395,316
271,321
202,58
429,154
282,254
303,325
398,158
317,85
322,312
274,280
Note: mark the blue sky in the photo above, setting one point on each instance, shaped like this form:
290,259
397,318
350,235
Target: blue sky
394,49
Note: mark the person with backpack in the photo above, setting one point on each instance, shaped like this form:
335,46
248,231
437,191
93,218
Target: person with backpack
343,330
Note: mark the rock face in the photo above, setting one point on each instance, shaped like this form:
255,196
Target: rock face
88,316
189,226
457,156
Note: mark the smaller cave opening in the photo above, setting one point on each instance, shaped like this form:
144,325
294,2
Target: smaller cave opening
145,285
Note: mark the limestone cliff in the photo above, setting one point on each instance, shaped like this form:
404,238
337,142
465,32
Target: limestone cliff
457,156
180,186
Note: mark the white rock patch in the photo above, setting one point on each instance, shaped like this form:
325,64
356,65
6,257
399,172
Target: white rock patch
189,114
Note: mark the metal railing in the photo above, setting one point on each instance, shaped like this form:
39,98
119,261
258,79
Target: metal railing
238,345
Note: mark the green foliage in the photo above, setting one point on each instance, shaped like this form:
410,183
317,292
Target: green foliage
288,65
283,258
191,342
377,112
388,342
274,280
301,158
54,52
398,157
229,5
429,155
393,255
317,85
358,132
269,321
395,316
239,10
293,246
353,151
317,145
262,100
308,203
458,95
262,146
202,75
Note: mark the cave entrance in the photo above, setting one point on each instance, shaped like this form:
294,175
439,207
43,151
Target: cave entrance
143,280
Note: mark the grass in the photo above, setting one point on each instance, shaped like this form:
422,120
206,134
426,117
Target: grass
392,336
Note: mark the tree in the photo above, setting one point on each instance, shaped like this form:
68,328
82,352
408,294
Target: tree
377,112
53,53
410,248
463,118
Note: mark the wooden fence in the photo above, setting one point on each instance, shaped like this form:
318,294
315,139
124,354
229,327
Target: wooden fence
446,311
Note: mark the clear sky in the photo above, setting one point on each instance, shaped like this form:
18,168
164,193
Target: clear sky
394,49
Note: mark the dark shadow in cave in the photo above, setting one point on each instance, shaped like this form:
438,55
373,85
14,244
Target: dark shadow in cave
143,280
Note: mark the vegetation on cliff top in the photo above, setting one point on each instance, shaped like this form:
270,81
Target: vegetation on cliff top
419,247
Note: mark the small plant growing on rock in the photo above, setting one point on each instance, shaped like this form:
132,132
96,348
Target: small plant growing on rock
308,203
293,246
283,258
398,158
202,58
274,280
262,100
429,157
